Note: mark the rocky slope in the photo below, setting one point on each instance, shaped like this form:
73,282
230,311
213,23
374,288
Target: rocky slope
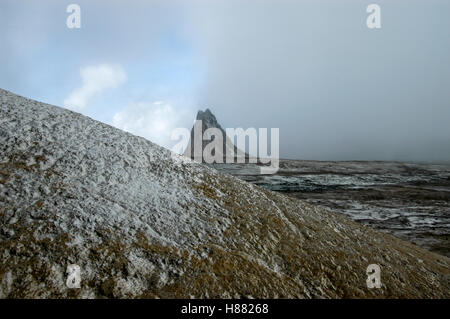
408,200
142,222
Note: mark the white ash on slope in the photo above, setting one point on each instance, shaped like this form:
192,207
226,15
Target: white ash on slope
141,222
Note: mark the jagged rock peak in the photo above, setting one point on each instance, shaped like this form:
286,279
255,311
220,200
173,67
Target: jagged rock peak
208,118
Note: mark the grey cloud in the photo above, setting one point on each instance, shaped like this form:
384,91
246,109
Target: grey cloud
336,89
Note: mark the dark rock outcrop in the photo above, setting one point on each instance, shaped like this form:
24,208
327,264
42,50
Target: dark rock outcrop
206,120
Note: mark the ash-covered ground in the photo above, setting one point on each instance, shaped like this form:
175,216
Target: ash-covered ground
410,201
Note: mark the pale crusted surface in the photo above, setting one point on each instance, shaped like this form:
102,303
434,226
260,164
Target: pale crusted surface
141,224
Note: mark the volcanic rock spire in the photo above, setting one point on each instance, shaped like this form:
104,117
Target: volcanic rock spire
205,130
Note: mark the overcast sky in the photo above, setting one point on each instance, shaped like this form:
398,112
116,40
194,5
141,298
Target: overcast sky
336,89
